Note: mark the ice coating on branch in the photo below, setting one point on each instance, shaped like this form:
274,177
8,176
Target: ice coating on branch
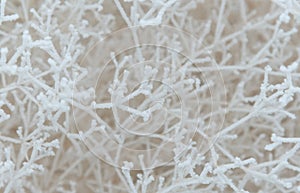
149,96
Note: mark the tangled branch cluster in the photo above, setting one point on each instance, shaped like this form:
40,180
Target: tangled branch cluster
149,96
